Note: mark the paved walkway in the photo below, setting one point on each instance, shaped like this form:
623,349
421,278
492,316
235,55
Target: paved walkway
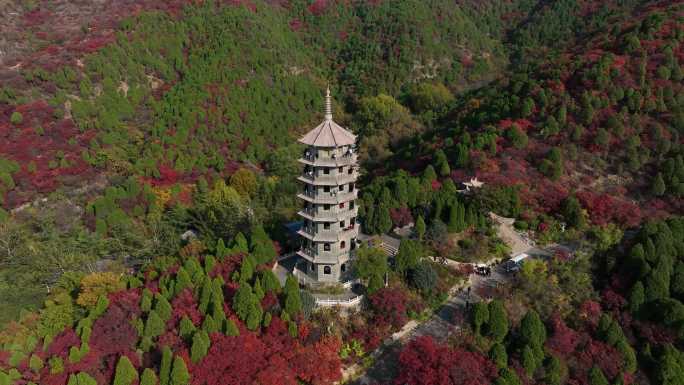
449,318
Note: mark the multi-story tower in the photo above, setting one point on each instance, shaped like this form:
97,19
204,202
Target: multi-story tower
329,193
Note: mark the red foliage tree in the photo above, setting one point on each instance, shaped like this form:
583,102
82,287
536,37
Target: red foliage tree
604,356
424,362
113,333
389,307
564,340
401,216
590,311
185,305
319,363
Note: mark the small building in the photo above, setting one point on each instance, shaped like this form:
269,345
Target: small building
330,227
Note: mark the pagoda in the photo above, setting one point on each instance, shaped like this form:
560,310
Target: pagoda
330,228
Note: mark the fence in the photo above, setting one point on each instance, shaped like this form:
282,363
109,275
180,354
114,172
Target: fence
350,302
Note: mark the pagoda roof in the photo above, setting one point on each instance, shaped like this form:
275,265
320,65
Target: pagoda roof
328,134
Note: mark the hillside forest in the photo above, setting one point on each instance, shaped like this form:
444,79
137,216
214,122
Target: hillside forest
125,124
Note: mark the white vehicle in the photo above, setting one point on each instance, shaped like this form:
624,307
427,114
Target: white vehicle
516,262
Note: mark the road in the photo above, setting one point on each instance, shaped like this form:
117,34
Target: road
449,317
446,321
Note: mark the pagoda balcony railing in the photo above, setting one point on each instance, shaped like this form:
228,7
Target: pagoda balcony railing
328,198
343,160
325,256
309,230
332,215
328,180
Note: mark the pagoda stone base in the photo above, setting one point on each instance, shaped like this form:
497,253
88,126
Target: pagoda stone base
312,274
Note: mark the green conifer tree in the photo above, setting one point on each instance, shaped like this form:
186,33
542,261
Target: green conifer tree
205,296
187,328
242,300
293,300
232,329
165,367
453,224
384,221
200,346
258,291
81,378
420,227
146,300
658,187
269,281
480,315
183,280
209,325
125,372
154,326
162,307
497,326
596,377
148,377
179,372
498,354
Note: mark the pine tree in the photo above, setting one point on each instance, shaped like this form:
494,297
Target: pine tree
596,377
205,296
553,371
401,191
125,372
508,377
498,354
209,325
165,367
255,315
242,300
658,188
383,218
179,373
572,211
154,326
81,378
232,329
270,282
480,315
408,256
209,264
267,319
187,328
182,280
162,307
240,244
221,250
293,300
146,300
258,291
532,329
148,377
453,224
200,346
429,174
529,361
420,227
247,268
497,326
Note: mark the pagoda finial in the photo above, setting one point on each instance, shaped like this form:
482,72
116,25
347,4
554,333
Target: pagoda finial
328,104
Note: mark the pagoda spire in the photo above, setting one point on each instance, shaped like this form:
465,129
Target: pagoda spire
328,105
